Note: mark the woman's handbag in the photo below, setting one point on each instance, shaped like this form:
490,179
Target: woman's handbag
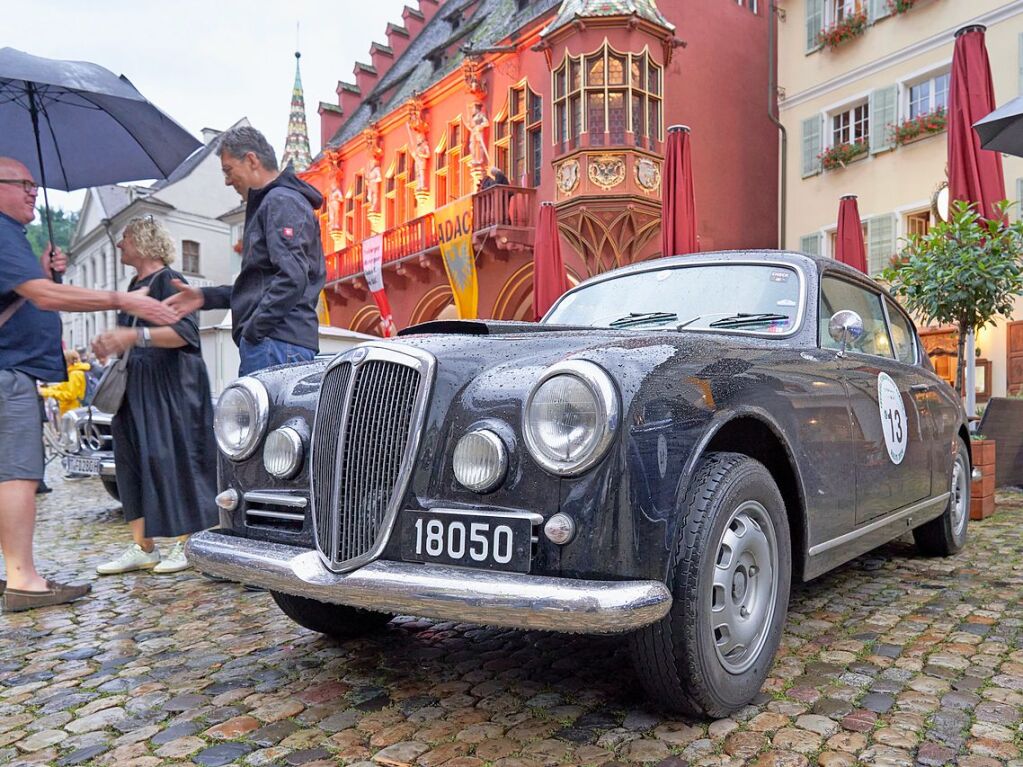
110,390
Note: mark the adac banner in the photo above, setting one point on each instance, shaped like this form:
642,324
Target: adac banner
454,233
372,267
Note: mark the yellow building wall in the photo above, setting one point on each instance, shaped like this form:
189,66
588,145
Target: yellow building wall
897,50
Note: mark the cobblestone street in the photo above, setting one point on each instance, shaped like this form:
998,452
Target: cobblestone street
891,660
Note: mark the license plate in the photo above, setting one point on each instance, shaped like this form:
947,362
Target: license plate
485,541
77,465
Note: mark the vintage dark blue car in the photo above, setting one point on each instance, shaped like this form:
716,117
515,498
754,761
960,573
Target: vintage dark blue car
661,455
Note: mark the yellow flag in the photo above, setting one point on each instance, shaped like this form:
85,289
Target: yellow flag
322,309
454,233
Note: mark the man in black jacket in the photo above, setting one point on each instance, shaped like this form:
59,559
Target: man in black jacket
273,300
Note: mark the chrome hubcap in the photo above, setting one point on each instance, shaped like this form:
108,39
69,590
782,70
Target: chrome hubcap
960,496
745,587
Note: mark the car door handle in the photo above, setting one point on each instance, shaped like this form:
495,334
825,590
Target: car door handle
920,388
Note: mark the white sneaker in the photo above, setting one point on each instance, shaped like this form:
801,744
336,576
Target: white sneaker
132,558
174,562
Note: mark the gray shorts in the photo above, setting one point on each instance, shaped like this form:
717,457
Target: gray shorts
21,428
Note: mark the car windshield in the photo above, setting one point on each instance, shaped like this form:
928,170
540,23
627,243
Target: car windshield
733,298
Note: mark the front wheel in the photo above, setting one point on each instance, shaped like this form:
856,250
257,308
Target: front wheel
945,535
730,583
338,621
110,485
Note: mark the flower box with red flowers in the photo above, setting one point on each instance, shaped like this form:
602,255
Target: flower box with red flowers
843,30
900,6
920,126
840,155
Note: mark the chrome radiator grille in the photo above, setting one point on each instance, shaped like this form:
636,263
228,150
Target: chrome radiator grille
364,438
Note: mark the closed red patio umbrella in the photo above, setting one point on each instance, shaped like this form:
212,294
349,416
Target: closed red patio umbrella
550,280
678,201
974,174
849,247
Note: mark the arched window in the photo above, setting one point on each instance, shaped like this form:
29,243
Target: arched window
608,95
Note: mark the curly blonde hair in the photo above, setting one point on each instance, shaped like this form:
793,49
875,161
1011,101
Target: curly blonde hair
151,239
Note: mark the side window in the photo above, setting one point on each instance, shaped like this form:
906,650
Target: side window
903,336
838,294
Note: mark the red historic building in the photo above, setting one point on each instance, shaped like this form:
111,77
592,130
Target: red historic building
572,100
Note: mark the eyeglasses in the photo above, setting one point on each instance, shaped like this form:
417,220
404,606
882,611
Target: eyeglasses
28,186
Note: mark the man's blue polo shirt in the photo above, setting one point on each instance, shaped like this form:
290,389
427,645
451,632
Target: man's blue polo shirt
30,339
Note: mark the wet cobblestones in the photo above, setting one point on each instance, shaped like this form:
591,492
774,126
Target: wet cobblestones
892,660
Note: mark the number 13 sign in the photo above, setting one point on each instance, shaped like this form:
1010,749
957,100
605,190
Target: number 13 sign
893,417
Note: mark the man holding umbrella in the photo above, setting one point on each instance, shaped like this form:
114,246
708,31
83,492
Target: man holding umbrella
30,350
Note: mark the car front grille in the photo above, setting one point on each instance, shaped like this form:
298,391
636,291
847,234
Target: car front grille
365,437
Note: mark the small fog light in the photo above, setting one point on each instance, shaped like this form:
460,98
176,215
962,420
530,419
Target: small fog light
227,500
282,453
560,529
480,461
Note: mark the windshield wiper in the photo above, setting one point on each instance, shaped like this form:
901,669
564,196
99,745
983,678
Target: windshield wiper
641,318
742,318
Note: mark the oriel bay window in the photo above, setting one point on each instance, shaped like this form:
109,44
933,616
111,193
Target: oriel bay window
608,94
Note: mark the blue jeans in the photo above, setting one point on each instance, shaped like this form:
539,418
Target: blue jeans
270,352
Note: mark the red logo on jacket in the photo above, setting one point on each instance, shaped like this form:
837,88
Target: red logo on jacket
287,232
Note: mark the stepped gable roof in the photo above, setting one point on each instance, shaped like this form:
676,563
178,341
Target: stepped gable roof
583,9
478,23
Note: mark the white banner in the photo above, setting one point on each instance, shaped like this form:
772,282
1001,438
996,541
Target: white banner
372,259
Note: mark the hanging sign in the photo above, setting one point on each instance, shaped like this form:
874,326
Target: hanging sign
372,267
454,233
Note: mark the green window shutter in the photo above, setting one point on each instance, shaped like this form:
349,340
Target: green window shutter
880,242
811,243
883,114
877,10
814,23
811,146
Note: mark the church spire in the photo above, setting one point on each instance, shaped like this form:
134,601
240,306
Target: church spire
296,148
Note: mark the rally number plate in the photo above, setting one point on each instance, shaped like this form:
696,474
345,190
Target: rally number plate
74,464
487,541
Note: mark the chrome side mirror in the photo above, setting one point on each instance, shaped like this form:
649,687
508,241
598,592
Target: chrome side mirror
845,326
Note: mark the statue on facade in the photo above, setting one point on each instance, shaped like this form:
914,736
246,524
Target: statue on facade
476,124
373,138
418,132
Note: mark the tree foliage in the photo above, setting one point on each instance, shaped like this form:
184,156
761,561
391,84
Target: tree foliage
63,228
965,272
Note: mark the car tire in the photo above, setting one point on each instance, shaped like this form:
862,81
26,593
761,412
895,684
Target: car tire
338,621
110,485
690,661
945,535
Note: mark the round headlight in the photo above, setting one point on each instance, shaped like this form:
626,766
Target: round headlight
570,417
69,437
282,452
480,461
240,418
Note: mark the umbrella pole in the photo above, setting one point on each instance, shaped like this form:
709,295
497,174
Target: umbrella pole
34,112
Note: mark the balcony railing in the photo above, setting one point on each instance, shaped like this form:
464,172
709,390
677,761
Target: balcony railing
499,206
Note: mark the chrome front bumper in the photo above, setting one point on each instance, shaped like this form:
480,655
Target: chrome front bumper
514,600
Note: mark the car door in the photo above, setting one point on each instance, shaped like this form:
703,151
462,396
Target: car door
892,430
931,393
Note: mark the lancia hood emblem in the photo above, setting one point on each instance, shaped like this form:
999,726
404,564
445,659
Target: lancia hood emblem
358,356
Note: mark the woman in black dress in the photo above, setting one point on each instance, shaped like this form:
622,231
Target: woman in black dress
164,447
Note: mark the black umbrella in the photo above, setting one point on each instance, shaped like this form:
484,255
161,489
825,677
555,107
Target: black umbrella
1002,130
76,124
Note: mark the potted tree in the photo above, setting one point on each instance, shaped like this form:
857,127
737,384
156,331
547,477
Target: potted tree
964,272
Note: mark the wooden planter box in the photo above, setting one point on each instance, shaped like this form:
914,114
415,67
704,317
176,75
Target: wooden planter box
982,491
